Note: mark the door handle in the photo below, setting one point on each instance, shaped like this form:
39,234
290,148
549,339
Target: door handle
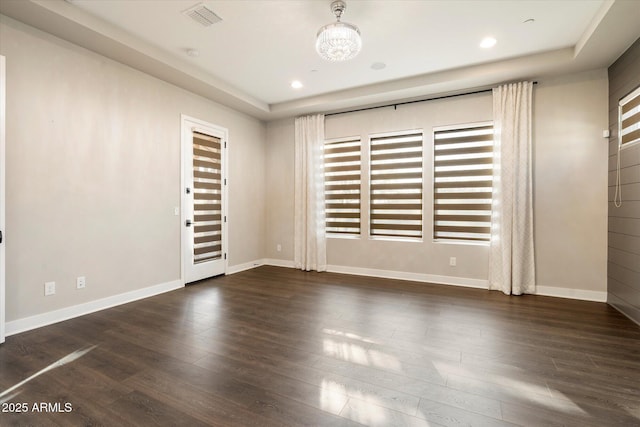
188,223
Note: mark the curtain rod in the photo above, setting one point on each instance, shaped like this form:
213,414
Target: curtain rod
395,104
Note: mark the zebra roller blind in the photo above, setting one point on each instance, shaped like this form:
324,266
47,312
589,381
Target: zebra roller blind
463,182
342,163
396,185
207,198
629,118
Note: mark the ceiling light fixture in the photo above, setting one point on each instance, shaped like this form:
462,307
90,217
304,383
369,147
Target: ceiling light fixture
296,84
338,41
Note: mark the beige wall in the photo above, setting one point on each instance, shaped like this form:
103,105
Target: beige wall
570,200
280,185
570,175
93,174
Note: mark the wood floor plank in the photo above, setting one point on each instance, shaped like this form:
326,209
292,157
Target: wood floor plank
202,403
329,383
368,412
451,416
462,400
330,400
279,347
142,409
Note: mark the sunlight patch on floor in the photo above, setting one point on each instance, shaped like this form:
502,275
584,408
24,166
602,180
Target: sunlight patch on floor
348,335
369,413
358,353
384,360
333,393
333,396
355,353
345,351
58,363
8,397
524,390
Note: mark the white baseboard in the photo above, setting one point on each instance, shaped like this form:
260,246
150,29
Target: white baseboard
279,262
245,266
416,277
390,274
580,294
44,319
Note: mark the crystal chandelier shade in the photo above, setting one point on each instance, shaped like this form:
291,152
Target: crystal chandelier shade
338,41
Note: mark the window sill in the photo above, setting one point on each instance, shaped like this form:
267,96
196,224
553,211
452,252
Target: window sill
460,242
397,239
343,236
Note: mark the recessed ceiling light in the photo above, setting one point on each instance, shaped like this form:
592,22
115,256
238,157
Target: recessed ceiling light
488,42
194,53
296,84
378,65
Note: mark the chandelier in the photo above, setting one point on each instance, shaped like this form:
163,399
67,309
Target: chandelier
338,41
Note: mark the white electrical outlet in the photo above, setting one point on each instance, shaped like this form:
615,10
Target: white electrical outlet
279,247
452,261
81,282
49,288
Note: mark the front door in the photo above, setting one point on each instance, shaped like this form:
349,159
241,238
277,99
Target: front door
204,248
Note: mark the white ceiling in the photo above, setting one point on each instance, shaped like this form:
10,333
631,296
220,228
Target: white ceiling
248,60
260,46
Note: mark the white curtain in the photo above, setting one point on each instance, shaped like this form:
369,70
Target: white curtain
511,255
310,244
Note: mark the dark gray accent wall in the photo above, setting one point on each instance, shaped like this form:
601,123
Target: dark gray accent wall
623,267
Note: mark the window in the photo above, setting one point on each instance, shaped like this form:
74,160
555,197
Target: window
629,119
396,185
463,181
342,186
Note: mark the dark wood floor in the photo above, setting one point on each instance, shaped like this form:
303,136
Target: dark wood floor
274,346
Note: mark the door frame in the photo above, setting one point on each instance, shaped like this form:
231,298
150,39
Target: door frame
187,123
3,265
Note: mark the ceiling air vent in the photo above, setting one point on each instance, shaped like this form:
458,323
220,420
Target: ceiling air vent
202,15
